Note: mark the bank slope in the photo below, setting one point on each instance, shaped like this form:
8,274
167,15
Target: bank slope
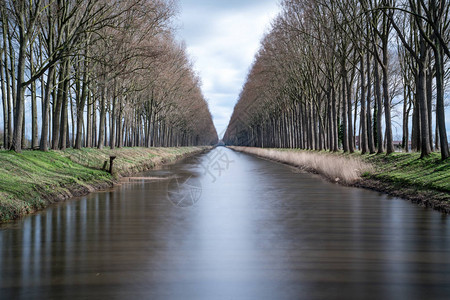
32,180
423,181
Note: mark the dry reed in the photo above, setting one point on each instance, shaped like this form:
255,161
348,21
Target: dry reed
336,168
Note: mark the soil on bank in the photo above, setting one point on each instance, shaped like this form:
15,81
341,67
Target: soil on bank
32,180
423,181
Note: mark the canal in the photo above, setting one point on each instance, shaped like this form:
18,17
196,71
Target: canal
227,225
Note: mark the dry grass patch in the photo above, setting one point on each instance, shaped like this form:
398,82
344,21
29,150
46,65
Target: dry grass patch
336,168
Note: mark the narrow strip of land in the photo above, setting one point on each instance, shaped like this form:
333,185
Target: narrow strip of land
424,181
32,180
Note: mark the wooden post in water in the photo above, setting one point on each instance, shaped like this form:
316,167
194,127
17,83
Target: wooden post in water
111,163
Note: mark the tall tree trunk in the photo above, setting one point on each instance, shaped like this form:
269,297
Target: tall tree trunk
101,134
64,108
386,98
57,107
379,108
89,122
20,97
415,133
351,140
421,99
429,95
5,102
80,111
345,141
440,110
71,138
112,138
12,74
34,117
46,111
363,115
335,120
6,96
120,124
406,110
94,122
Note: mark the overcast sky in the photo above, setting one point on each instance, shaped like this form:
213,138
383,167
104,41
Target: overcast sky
222,38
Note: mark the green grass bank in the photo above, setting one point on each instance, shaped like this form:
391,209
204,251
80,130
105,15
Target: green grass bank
424,181
32,180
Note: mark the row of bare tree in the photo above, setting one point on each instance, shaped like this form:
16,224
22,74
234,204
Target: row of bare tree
95,73
331,75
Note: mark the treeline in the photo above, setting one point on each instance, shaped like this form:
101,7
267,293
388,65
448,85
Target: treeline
331,74
88,73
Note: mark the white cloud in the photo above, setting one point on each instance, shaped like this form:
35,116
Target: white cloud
222,40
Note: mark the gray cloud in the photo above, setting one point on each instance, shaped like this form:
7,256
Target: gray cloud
224,4
222,37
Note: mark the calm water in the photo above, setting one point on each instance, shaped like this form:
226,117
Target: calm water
228,226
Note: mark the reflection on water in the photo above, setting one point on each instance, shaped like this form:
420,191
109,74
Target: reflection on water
258,231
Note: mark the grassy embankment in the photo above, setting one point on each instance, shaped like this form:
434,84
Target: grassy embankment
424,181
32,180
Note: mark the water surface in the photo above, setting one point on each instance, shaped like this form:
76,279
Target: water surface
228,226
